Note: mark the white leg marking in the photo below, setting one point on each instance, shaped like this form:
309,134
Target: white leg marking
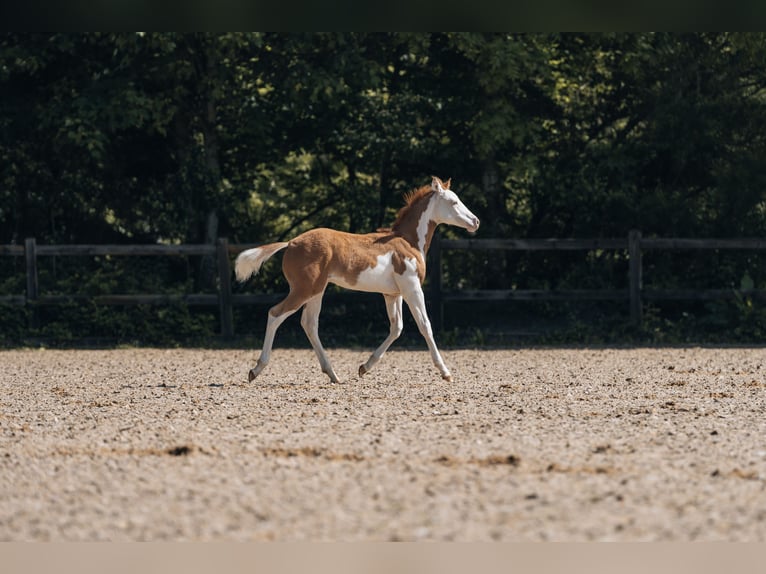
310,324
394,309
272,325
412,293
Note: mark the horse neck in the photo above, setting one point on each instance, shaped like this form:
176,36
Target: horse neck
417,226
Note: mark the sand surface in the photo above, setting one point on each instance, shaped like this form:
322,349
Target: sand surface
524,445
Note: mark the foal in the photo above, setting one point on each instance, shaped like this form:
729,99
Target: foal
391,262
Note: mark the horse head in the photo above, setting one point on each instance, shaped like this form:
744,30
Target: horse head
449,209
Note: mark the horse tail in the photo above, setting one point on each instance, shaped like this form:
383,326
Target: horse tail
249,262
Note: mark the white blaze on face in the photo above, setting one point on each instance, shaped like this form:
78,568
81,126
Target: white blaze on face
454,212
445,207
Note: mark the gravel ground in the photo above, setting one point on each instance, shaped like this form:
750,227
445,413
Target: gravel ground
525,445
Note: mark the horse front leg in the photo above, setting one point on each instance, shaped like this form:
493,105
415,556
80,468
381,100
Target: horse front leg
394,310
412,292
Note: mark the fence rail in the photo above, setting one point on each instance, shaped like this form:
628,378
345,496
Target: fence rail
634,244
635,294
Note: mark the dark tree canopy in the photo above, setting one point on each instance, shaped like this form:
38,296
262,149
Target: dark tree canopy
181,137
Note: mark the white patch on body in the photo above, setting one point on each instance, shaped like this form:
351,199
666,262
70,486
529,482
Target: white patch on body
411,265
378,279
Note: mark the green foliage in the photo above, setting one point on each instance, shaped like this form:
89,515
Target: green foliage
185,137
166,325
84,319
14,321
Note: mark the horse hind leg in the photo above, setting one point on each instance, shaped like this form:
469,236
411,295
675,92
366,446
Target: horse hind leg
310,324
394,309
277,315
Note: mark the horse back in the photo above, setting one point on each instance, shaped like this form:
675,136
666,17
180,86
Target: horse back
329,255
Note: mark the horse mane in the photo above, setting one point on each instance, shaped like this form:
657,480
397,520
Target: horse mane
410,199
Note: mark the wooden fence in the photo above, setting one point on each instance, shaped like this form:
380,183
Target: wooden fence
635,294
634,244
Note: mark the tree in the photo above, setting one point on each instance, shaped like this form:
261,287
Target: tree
176,137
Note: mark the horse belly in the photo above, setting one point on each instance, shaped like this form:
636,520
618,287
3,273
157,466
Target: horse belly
377,279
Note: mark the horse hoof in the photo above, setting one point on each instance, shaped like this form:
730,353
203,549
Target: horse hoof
251,375
447,378
362,370
333,377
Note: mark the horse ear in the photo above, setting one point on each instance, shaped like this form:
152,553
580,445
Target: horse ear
435,183
447,183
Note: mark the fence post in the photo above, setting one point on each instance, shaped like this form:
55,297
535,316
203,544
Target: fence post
636,279
33,288
224,288
435,278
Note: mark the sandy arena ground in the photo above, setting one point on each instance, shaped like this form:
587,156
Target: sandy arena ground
525,445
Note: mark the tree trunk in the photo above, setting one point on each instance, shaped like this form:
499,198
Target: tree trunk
208,265
493,191
490,182
384,189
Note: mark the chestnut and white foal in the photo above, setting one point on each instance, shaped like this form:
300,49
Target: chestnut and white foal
390,261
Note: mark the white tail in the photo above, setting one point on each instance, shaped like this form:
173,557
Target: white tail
249,262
